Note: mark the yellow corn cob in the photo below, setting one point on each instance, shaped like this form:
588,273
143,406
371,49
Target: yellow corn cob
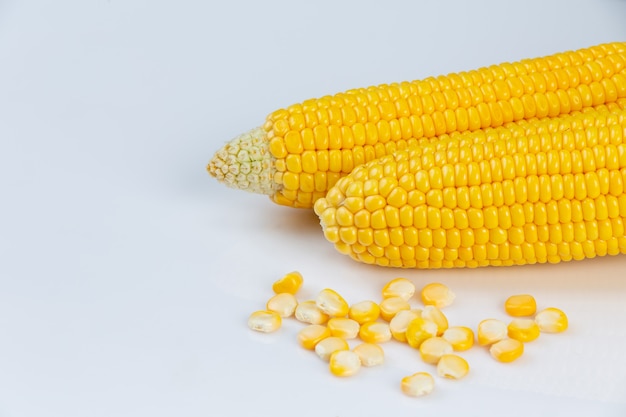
545,192
301,151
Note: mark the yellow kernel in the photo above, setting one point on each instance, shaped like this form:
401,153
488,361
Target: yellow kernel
399,287
399,323
418,384
364,311
507,350
312,334
389,307
418,330
520,305
284,304
375,332
326,347
290,283
331,303
435,315
309,312
344,363
437,294
264,321
343,327
431,350
370,354
452,366
460,337
523,329
551,320
491,331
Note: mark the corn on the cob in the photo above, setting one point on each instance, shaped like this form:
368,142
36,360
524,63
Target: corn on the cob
301,151
544,192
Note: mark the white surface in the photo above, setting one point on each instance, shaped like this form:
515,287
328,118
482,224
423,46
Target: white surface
127,273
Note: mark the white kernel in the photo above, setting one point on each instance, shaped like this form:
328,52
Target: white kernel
331,303
418,384
344,363
399,287
326,347
284,304
370,354
452,366
343,327
264,321
309,312
551,320
491,331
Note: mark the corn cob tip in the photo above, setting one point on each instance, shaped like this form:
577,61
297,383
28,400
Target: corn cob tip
246,163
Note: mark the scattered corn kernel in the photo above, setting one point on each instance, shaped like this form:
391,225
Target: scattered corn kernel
435,315
524,330
284,304
460,337
399,323
520,305
452,366
343,327
438,295
331,303
326,347
431,350
416,385
264,321
389,307
507,350
370,354
399,287
312,334
491,331
418,330
364,311
290,283
344,363
309,312
375,332
551,320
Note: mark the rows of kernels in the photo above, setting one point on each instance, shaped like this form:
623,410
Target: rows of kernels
437,294
284,304
318,141
520,305
491,331
418,384
309,312
289,283
326,347
434,314
418,330
507,350
460,337
370,354
469,203
389,307
364,311
431,350
400,322
343,327
264,321
375,332
312,334
344,363
523,329
399,287
452,366
551,320
331,303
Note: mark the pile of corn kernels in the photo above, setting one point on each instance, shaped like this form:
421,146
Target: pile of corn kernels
331,322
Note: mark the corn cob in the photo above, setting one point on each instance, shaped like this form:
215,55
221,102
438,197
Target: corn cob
545,192
301,151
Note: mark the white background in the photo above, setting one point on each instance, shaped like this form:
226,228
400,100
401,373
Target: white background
127,274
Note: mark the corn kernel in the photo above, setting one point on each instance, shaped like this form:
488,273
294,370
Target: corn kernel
520,305
312,334
551,320
331,303
418,384
264,321
284,304
343,327
452,366
431,350
290,283
309,312
507,350
524,330
418,330
389,307
399,323
326,347
461,338
364,311
399,287
437,294
370,354
491,331
375,332
435,315
344,363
